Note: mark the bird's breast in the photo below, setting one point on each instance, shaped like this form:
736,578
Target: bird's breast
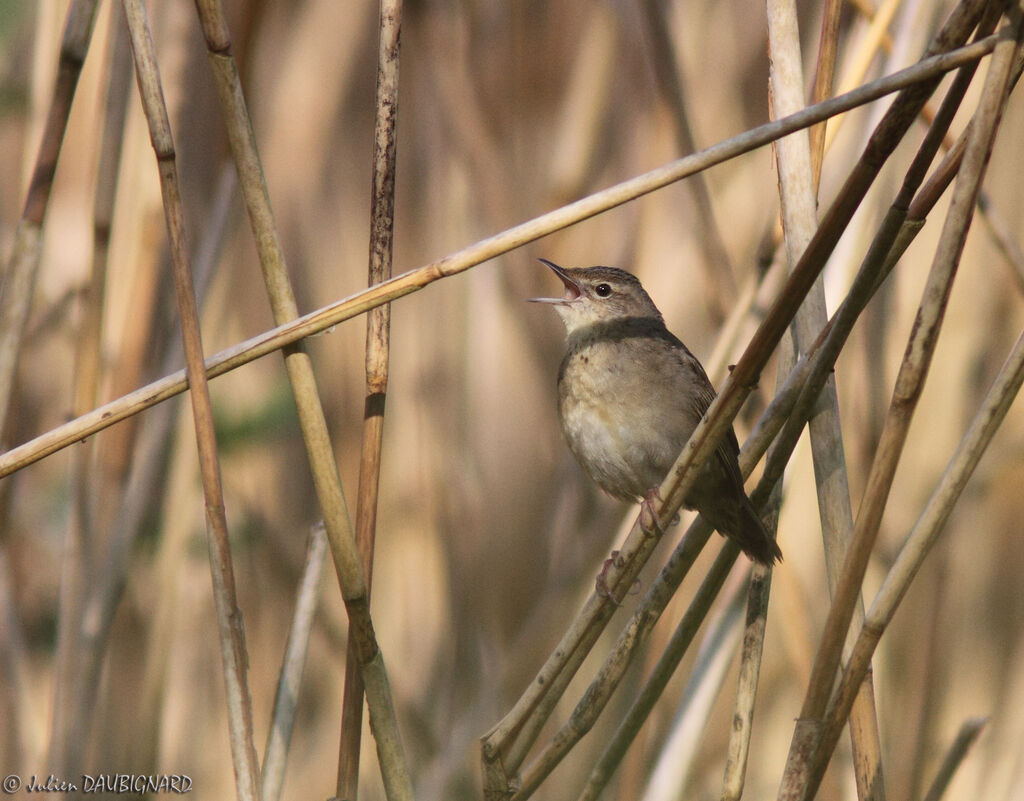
611,417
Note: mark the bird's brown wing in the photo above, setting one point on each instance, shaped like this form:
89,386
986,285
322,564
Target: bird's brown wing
704,393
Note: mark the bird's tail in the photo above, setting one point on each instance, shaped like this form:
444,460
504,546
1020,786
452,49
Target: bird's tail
750,534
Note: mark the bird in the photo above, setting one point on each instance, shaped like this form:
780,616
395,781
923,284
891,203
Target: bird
630,394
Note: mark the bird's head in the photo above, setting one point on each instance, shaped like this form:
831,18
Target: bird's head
599,295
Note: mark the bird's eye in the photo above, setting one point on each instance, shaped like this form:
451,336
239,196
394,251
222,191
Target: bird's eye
603,290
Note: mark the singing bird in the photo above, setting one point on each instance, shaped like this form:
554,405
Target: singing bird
630,394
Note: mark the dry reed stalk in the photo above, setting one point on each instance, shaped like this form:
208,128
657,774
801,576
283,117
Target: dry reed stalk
927,528
902,222
879,38
892,127
354,585
275,756
890,241
824,77
232,638
913,372
289,333
23,265
738,750
797,189
866,52
681,743
734,774
965,738
789,372
378,330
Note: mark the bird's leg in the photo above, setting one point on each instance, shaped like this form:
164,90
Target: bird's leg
649,520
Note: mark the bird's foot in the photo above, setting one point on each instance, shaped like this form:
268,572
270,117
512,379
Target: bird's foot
650,522
601,582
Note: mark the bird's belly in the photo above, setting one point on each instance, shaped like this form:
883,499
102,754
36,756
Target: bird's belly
610,435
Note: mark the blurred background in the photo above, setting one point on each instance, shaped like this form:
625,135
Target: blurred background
489,535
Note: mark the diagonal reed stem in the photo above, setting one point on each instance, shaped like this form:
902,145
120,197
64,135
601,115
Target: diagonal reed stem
965,738
286,699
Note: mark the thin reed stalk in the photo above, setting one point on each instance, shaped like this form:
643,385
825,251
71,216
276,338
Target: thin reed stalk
751,652
878,37
662,672
232,638
275,756
965,738
824,77
682,742
378,330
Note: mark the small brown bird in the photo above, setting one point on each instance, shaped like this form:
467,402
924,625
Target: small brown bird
630,394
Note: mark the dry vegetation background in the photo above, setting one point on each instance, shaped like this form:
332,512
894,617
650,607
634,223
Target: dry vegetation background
489,537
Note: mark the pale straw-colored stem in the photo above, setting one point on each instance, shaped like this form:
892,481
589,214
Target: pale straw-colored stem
378,338
289,680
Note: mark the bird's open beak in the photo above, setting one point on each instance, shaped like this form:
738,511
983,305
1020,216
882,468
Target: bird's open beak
572,289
